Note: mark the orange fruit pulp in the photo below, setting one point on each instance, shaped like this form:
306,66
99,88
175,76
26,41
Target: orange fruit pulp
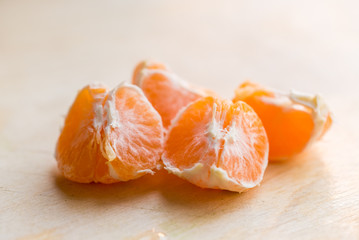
167,92
214,143
292,121
109,136
138,74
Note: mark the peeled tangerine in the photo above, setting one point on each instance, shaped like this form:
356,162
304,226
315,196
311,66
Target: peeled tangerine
292,121
214,143
167,92
109,136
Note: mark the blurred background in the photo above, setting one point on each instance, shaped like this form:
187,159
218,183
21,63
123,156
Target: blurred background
287,44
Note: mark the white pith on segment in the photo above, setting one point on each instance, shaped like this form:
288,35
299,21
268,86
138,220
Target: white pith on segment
302,101
84,137
282,99
213,176
241,140
141,73
101,135
319,107
210,176
113,120
106,118
320,110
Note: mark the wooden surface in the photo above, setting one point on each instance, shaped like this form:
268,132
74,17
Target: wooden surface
50,49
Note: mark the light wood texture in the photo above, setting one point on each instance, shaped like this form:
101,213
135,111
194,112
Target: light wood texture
50,49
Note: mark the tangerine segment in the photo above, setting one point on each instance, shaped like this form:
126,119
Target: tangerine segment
76,149
167,93
110,136
133,133
213,143
137,73
292,121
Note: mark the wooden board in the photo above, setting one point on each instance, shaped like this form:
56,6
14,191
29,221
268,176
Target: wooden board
50,49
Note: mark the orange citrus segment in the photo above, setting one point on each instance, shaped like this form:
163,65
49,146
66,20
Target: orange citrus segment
188,139
291,120
137,73
245,150
216,144
110,136
133,134
76,147
167,92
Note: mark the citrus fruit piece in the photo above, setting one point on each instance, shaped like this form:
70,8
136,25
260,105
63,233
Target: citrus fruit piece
137,73
167,92
292,121
109,136
214,143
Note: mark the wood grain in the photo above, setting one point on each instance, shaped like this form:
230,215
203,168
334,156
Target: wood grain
50,49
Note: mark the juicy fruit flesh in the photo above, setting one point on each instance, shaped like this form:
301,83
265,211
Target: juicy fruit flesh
247,149
77,143
224,144
134,130
166,95
137,73
284,139
290,125
110,136
166,91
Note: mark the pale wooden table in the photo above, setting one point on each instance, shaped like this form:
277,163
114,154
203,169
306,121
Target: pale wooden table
50,49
